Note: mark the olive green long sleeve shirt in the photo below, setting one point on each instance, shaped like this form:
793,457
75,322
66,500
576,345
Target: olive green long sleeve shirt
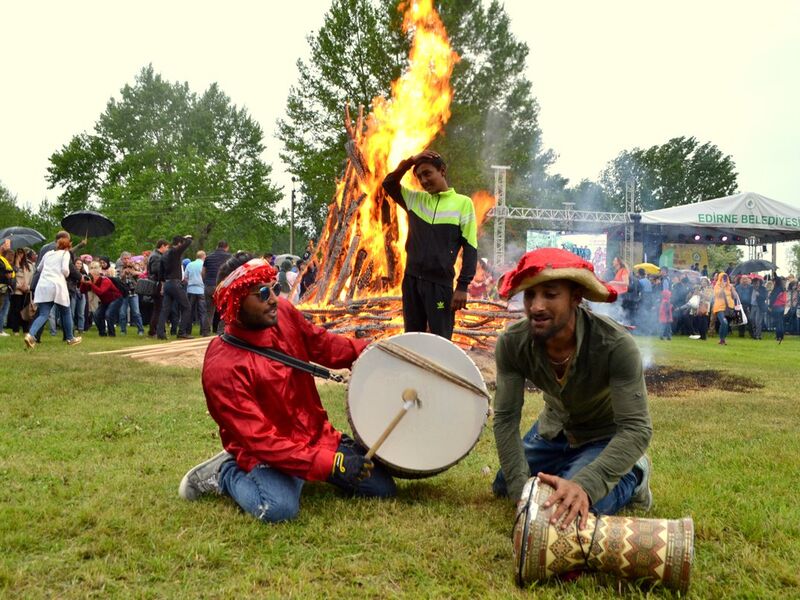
603,396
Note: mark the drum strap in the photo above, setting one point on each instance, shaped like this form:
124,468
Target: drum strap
291,361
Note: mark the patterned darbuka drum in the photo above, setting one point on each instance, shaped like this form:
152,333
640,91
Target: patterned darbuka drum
649,550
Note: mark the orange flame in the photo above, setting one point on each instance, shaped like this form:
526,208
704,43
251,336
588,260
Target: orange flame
483,202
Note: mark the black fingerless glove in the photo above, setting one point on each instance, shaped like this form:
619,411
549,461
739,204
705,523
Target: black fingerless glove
349,468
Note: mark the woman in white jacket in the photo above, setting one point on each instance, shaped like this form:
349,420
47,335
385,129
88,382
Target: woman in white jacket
52,290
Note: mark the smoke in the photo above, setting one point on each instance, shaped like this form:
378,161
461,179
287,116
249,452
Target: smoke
613,310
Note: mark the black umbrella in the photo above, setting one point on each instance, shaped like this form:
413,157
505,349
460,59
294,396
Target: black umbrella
753,266
88,223
21,236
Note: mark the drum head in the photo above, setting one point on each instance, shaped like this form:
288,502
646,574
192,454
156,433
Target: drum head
436,434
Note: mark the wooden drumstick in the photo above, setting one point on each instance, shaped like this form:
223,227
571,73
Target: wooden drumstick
410,398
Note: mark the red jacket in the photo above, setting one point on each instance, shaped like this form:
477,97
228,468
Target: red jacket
268,412
105,290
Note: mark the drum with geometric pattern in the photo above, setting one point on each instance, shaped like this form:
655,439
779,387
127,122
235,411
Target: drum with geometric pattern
654,551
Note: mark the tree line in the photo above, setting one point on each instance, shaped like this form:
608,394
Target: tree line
164,159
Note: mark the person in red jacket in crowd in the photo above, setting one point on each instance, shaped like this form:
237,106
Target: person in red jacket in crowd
275,433
109,296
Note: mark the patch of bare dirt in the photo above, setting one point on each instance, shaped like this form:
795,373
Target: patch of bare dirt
665,381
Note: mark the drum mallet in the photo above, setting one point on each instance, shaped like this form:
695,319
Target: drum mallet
410,398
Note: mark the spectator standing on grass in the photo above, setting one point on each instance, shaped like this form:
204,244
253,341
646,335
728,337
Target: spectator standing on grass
196,292
211,266
723,303
78,301
51,291
793,303
129,304
109,297
745,291
7,282
154,274
758,307
777,306
274,430
174,294
23,270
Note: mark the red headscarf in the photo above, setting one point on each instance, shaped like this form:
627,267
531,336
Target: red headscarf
232,290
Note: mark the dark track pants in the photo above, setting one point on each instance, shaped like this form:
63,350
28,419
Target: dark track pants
426,307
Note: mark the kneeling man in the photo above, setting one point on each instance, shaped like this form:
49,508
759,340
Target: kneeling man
272,425
589,440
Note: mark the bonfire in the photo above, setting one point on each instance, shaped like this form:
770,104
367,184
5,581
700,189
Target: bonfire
360,255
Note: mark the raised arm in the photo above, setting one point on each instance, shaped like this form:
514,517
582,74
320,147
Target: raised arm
391,183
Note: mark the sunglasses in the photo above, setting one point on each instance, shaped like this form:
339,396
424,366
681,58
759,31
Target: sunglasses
264,292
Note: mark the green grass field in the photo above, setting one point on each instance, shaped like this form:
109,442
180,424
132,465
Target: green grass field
92,449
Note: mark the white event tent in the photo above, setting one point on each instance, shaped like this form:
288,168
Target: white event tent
730,219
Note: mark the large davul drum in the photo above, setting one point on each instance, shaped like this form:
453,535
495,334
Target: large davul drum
442,427
649,550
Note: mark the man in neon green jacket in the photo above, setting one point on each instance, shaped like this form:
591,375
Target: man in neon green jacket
440,223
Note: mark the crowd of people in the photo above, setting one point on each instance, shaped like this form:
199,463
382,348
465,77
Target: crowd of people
161,292
666,304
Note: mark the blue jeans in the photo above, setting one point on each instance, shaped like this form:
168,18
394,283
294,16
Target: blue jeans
273,496
132,303
557,457
52,318
777,317
77,306
723,326
106,316
42,314
5,305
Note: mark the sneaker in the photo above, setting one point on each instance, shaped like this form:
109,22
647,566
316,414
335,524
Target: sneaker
642,498
204,478
74,341
3,334
694,337
30,341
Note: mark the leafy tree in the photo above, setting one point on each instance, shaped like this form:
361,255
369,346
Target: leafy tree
360,49
164,161
719,257
794,258
13,214
681,171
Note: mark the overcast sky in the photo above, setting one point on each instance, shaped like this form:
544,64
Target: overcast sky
608,75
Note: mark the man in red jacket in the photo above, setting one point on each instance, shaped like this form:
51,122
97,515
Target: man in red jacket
275,432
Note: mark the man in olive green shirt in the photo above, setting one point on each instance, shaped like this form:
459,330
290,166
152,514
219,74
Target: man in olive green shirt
589,441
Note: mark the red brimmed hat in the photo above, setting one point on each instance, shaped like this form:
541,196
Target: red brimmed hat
547,264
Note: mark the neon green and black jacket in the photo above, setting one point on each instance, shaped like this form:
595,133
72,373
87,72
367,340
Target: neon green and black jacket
438,226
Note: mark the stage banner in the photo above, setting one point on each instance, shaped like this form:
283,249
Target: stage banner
686,255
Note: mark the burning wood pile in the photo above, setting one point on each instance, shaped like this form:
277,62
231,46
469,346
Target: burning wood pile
360,257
